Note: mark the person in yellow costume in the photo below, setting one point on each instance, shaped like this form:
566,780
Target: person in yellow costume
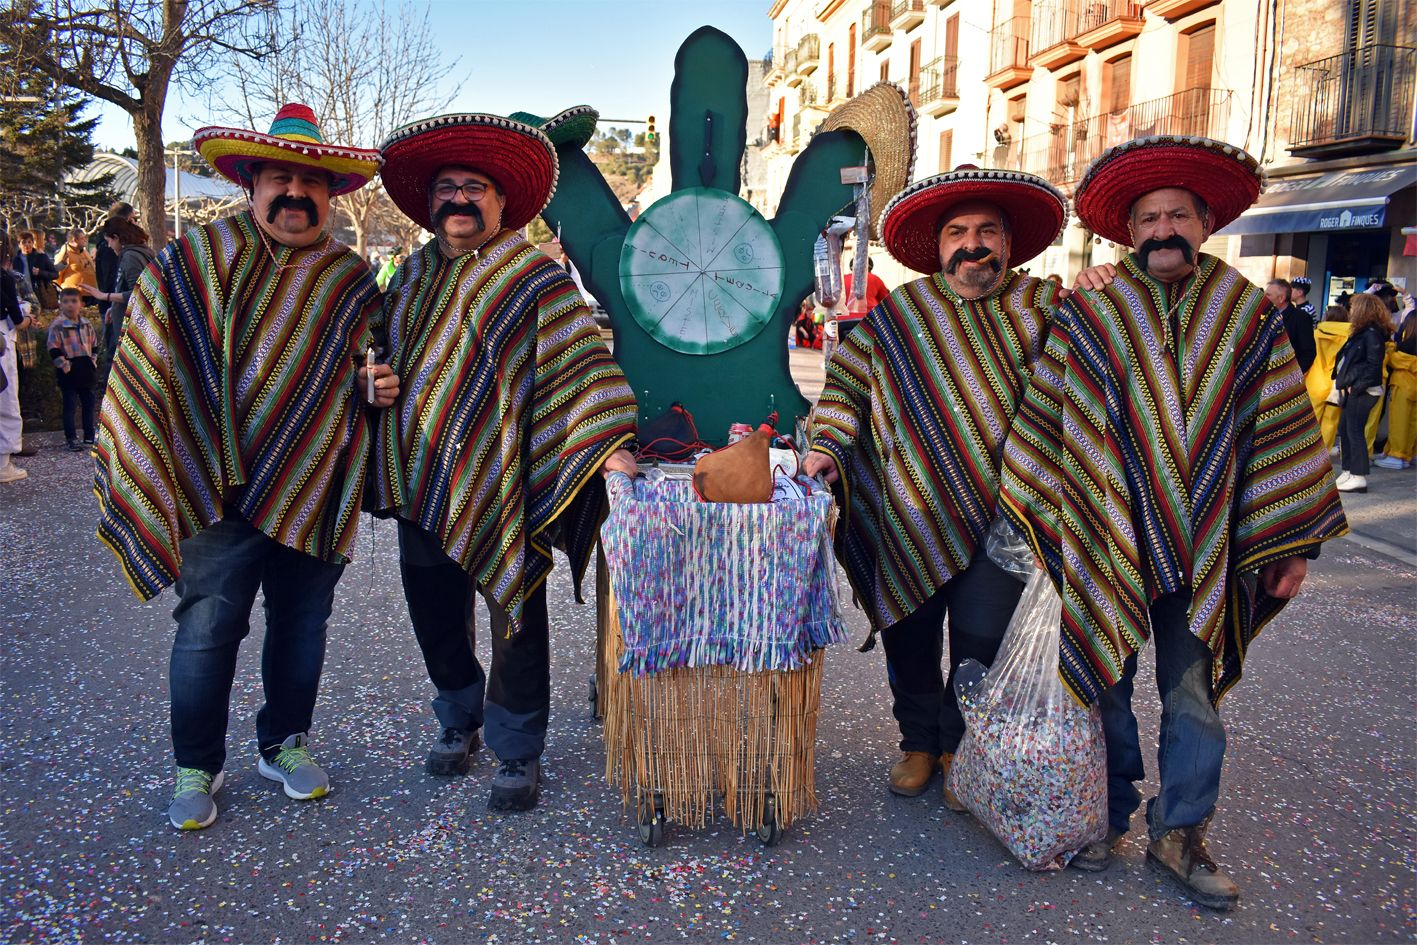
1329,338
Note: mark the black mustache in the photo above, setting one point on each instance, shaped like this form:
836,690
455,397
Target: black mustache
973,255
451,209
1174,241
285,201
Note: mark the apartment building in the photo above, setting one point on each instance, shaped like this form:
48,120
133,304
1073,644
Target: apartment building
1338,148
826,51
1320,90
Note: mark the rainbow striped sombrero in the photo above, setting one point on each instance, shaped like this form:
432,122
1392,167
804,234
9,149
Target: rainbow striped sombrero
295,139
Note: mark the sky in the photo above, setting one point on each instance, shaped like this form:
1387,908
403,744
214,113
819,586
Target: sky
541,56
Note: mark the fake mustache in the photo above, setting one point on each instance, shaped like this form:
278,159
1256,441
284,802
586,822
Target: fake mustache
451,209
1174,241
285,201
982,254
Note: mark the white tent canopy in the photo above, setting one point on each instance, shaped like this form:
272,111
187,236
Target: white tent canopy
125,180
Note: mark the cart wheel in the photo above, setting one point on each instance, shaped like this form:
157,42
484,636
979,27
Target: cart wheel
769,831
649,817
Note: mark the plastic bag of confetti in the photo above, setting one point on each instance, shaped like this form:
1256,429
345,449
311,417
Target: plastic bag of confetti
1032,766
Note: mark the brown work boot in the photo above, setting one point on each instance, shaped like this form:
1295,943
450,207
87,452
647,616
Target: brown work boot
1097,855
912,772
951,801
1181,853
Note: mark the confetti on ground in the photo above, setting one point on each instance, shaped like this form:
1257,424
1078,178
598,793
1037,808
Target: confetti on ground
1316,820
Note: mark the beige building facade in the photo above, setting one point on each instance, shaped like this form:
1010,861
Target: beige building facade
1320,90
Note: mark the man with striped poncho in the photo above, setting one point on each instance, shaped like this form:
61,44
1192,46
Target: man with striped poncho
911,422
1167,470
233,442
512,408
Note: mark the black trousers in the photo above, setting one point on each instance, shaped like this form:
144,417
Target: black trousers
512,703
979,602
1352,440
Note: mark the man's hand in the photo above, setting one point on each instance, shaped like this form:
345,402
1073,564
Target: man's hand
1283,578
1096,277
820,464
621,460
386,384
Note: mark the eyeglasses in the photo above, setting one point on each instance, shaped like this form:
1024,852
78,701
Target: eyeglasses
472,190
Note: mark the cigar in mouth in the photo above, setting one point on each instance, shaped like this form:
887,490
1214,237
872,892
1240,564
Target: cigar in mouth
989,260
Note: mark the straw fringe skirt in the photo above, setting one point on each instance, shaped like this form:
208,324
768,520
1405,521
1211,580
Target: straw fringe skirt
686,737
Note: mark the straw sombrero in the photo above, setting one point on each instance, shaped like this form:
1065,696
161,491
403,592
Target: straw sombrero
517,156
574,126
294,138
1035,208
1224,176
883,116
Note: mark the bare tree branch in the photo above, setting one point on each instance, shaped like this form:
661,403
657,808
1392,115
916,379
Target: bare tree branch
370,70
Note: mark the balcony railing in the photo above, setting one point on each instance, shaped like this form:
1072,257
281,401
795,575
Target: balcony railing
876,25
1008,53
1068,30
807,54
808,91
939,88
907,14
1062,154
831,89
1360,100
1099,13
1053,23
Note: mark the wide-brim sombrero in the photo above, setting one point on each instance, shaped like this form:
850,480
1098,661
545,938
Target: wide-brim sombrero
882,115
1036,212
517,156
1224,176
574,126
294,138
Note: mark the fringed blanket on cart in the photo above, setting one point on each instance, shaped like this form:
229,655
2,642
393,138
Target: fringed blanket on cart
717,584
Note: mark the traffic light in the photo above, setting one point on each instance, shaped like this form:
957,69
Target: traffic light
650,133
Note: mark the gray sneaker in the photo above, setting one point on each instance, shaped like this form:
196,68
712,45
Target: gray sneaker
516,786
294,767
192,806
452,752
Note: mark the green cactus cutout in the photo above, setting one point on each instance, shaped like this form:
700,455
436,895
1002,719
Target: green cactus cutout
707,324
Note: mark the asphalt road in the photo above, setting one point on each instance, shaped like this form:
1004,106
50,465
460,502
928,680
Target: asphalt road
1316,820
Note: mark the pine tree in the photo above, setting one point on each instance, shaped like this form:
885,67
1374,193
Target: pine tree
43,136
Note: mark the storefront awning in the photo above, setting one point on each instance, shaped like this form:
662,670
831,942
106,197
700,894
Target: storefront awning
1338,200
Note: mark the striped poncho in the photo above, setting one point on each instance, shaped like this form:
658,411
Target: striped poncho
510,403
1158,453
233,390
916,405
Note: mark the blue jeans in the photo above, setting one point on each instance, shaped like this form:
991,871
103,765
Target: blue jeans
1191,750
222,569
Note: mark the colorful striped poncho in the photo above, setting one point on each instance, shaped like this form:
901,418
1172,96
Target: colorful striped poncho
233,390
510,403
915,409
1160,453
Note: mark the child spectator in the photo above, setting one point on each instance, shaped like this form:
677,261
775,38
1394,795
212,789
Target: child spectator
71,345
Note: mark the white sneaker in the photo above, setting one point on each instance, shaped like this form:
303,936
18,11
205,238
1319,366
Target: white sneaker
9,472
1354,484
1341,478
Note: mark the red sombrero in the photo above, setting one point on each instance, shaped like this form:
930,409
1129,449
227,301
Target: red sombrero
295,139
1222,175
1035,208
518,157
